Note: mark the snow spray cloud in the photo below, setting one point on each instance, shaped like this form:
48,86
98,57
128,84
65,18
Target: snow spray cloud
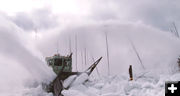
144,30
158,49
19,66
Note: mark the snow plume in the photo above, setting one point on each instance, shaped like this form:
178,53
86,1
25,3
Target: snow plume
157,49
20,67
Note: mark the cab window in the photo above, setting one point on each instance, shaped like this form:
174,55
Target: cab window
58,62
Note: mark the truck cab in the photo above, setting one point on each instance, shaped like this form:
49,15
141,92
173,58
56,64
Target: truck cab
60,63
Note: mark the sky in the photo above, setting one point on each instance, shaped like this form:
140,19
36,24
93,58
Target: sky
31,30
159,14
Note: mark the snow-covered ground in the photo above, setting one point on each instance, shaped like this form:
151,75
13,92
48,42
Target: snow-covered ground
144,84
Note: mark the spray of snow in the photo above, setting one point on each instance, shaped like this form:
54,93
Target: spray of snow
21,69
157,49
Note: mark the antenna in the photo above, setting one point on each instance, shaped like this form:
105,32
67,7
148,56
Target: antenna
107,51
57,46
85,54
70,51
82,59
175,30
76,50
171,30
137,54
96,67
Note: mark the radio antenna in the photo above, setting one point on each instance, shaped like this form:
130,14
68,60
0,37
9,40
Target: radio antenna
70,45
57,48
107,51
136,52
175,30
76,50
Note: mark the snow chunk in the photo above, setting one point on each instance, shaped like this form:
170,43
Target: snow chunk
72,93
68,81
80,79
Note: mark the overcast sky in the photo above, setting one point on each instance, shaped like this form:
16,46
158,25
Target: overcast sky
155,13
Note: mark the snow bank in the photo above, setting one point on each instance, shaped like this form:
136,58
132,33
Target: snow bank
147,85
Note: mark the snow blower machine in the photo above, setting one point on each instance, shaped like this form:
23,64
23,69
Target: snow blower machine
62,66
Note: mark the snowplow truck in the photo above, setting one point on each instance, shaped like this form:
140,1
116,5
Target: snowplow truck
60,63
62,66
